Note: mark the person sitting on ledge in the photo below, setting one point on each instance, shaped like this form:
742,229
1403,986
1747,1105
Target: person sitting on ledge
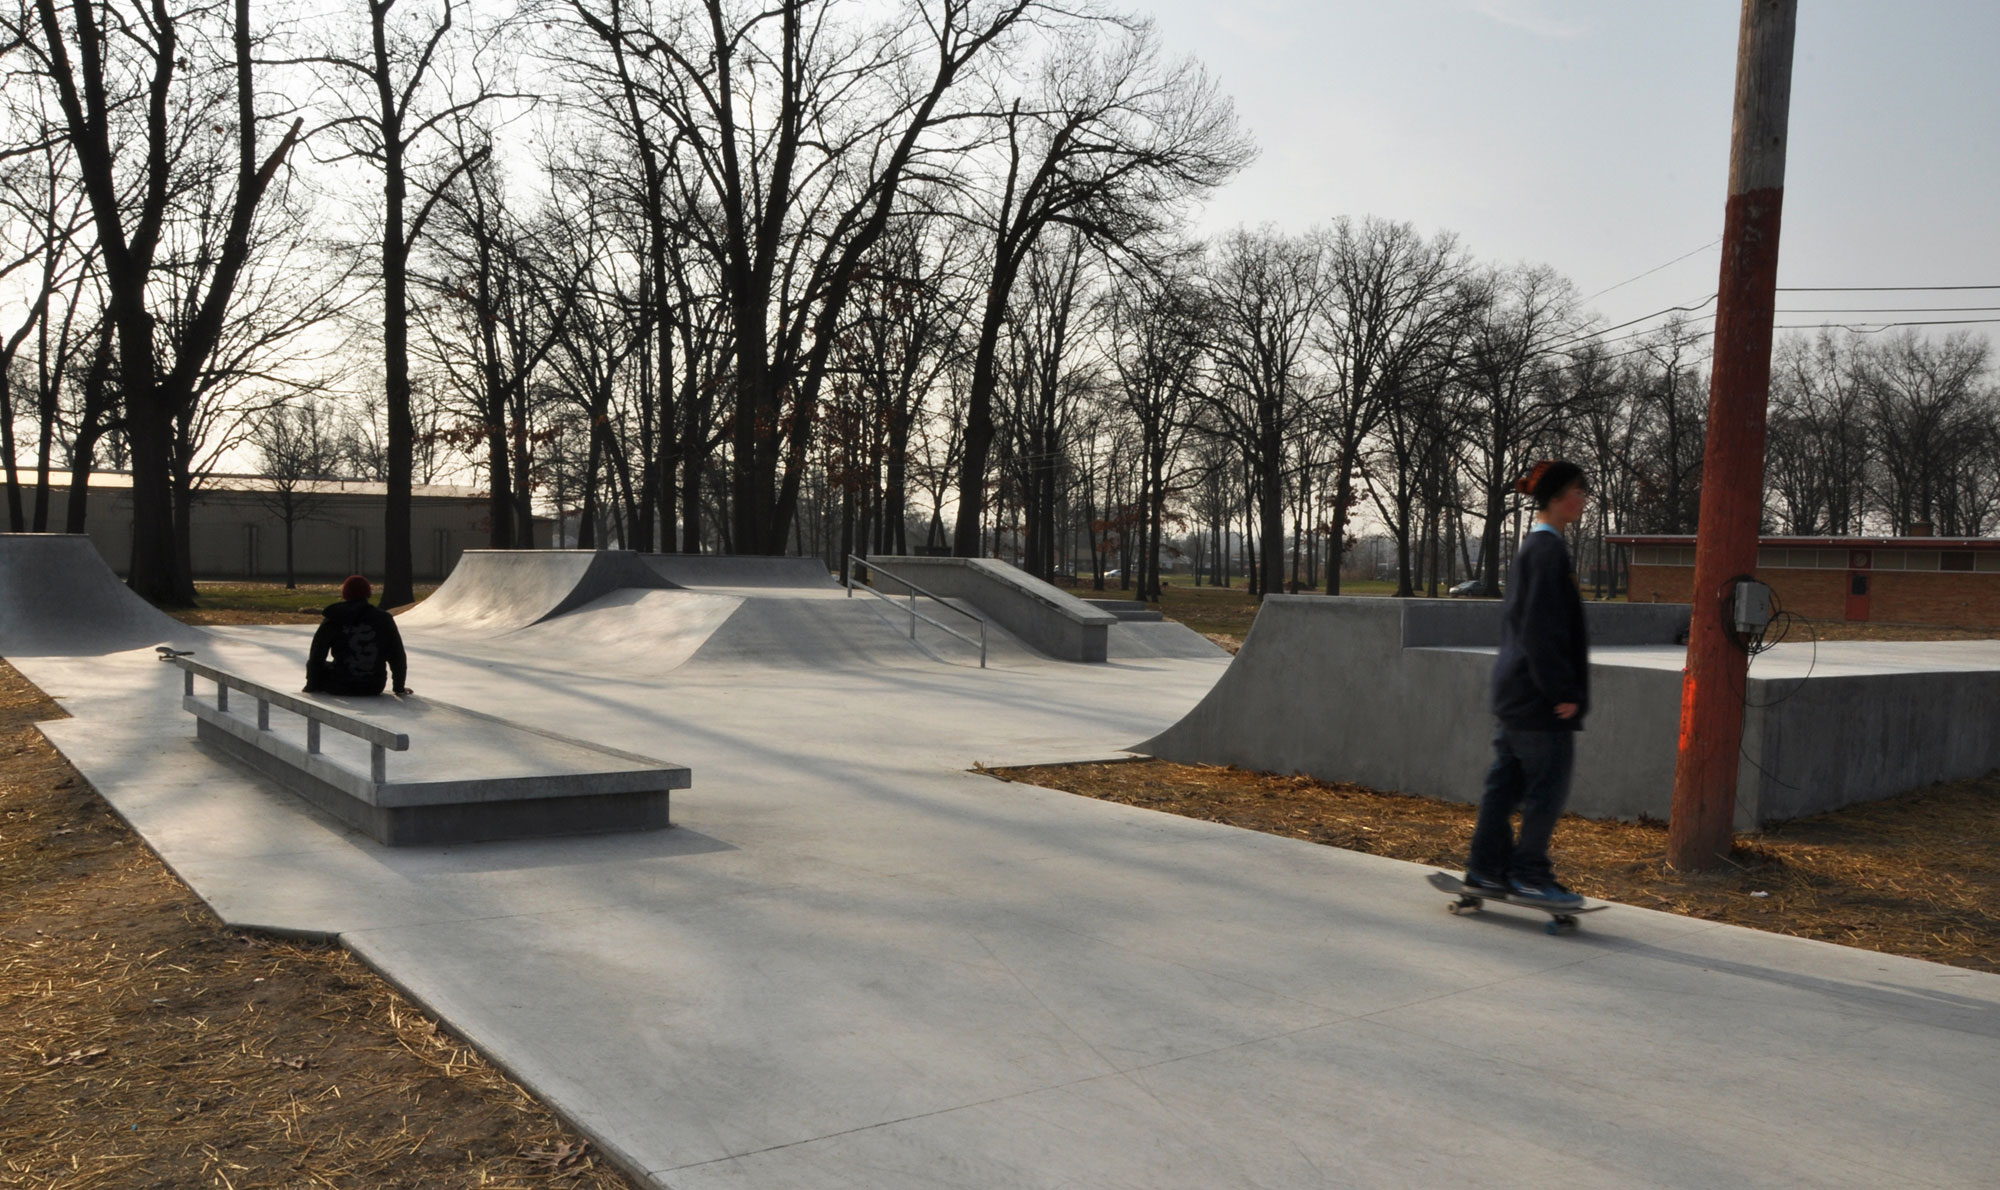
363,643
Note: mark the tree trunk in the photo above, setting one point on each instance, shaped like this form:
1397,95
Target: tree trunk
1336,537
17,521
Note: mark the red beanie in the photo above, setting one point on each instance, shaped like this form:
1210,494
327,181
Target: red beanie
355,587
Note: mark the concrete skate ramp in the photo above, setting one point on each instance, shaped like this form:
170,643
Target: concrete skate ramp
630,631
815,632
1391,693
58,598
1139,640
739,571
491,592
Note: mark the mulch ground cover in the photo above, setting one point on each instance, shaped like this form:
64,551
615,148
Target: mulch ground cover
1916,875
143,1044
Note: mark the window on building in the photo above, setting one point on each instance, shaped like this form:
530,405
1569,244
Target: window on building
440,551
355,545
1955,560
251,539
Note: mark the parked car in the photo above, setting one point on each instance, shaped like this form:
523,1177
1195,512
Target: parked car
1473,588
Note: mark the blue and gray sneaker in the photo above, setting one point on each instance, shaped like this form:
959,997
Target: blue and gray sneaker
1545,891
1480,882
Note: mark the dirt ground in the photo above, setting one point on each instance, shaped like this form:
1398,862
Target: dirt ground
144,1045
1917,875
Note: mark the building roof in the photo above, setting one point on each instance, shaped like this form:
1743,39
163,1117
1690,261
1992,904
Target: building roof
1857,543
223,482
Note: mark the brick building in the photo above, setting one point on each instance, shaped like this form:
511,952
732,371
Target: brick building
1941,581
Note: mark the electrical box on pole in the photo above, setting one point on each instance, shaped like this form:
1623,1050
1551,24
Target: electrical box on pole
1701,825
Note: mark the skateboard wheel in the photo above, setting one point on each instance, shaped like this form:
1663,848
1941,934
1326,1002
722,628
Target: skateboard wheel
1554,927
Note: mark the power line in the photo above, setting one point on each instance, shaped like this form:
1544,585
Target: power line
1880,327
1632,322
1879,289
1897,310
1851,328
1649,272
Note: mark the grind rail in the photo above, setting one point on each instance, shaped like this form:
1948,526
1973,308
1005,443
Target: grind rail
847,580
380,740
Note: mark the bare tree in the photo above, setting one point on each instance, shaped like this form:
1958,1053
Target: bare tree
1393,299
297,448
1669,385
1113,140
393,95
1155,334
802,132
1264,293
1513,389
160,83
42,212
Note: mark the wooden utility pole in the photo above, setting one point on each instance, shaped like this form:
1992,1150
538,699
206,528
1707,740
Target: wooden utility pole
1732,480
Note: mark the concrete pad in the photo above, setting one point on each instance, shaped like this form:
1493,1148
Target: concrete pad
855,964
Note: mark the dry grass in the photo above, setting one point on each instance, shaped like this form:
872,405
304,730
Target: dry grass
142,1044
1917,875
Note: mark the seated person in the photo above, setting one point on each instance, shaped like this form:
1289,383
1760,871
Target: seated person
363,642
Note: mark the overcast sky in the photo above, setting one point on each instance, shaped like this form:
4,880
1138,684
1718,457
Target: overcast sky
1594,136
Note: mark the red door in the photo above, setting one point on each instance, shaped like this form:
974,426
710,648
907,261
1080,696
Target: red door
1857,595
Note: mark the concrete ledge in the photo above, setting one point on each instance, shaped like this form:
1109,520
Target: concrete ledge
452,822
1046,618
470,777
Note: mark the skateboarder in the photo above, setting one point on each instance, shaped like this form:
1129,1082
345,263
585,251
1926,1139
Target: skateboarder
1541,691
363,643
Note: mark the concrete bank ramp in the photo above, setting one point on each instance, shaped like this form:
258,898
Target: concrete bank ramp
815,631
629,631
1392,694
1139,641
58,598
737,571
491,592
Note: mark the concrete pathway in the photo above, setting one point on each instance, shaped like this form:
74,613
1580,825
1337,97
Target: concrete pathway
855,964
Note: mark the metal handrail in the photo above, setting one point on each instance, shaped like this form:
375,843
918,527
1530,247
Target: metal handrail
379,739
847,580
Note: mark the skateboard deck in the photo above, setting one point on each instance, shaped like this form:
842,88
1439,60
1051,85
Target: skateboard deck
1561,919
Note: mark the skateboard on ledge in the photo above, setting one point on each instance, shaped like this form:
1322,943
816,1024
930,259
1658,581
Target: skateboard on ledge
1562,919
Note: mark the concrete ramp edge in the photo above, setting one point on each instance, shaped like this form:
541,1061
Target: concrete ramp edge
1048,619
502,590
1392,694
59,597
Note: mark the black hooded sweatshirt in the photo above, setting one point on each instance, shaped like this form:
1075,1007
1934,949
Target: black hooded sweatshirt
1544,650
364,642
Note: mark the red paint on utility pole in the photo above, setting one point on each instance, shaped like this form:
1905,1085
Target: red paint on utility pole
1732,479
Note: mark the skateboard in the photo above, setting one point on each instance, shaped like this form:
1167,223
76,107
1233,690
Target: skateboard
1561,921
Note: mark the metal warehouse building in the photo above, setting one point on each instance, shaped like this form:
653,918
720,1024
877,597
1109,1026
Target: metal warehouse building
238,531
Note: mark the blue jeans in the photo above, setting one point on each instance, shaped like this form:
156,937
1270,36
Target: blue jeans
1530,773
